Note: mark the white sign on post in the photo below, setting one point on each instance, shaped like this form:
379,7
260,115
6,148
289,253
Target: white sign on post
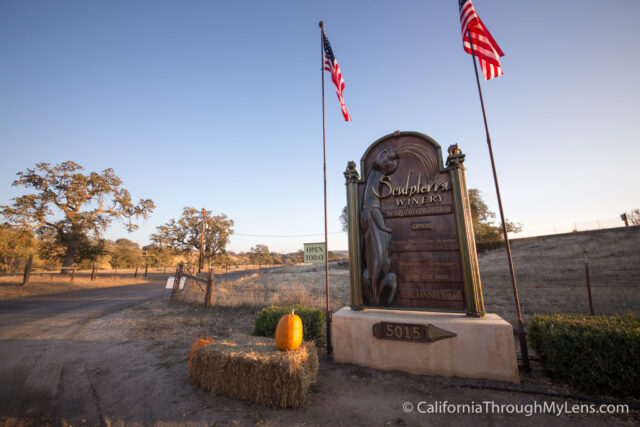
172,279
314,253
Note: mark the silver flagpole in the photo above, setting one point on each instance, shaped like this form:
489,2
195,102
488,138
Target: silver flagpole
521,332
324,168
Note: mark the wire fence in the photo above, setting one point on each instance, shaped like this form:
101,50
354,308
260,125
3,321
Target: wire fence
94,274
17,285
73,273
556,274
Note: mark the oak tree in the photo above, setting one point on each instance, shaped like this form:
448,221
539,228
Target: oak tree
53,252
259,254
483,221
157,256
74,204
185,233
15,245
344,219
125,254
634,217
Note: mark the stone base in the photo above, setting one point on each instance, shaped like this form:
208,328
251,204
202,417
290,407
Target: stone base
483,348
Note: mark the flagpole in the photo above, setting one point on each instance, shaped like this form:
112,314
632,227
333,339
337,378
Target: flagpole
324,168
521,332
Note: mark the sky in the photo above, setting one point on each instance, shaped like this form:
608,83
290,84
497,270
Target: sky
217,104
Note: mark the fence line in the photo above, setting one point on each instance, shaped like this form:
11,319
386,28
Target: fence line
565,228
99,271
132,270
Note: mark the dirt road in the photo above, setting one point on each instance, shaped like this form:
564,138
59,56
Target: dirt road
69,357
22,311
52,362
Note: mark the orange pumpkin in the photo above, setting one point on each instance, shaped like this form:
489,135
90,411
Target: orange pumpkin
289,332
201,342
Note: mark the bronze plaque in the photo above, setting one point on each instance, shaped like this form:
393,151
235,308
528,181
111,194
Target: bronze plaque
411,254
410,332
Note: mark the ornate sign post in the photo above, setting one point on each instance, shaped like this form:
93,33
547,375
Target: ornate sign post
411,242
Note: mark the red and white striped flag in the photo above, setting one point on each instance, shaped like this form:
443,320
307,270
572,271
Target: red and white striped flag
484,46
331,65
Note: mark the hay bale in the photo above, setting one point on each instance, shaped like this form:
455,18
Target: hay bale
252,368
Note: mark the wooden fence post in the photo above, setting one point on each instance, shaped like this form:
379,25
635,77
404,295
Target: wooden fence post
146,269
93,272
176,281
115,273
136,273
73,273
27,271
586,270
207,295
165,269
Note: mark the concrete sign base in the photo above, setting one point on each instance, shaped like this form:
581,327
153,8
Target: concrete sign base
399,340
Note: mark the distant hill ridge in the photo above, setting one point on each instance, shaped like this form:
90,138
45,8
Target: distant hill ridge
632,228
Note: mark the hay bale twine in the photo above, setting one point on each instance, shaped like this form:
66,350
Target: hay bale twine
252,368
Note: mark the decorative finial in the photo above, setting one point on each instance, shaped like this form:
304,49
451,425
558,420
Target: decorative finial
351,174
321,24
456,158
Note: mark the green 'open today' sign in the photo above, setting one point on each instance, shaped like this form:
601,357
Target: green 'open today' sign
314,253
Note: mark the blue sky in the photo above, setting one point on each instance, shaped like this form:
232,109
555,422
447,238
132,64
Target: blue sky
217,104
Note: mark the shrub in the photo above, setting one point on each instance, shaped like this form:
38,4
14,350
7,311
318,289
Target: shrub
598,354
312,321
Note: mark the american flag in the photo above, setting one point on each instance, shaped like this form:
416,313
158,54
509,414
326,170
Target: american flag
331,65
484,46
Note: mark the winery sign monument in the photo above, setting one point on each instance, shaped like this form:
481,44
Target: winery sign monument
416,294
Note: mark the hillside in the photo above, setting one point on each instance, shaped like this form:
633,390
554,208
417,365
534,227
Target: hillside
550,273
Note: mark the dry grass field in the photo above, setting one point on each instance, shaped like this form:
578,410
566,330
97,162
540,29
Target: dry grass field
550,273
282,286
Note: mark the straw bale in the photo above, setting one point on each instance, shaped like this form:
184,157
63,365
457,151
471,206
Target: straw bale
252,368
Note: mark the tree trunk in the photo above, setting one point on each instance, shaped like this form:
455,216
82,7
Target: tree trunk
72,248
